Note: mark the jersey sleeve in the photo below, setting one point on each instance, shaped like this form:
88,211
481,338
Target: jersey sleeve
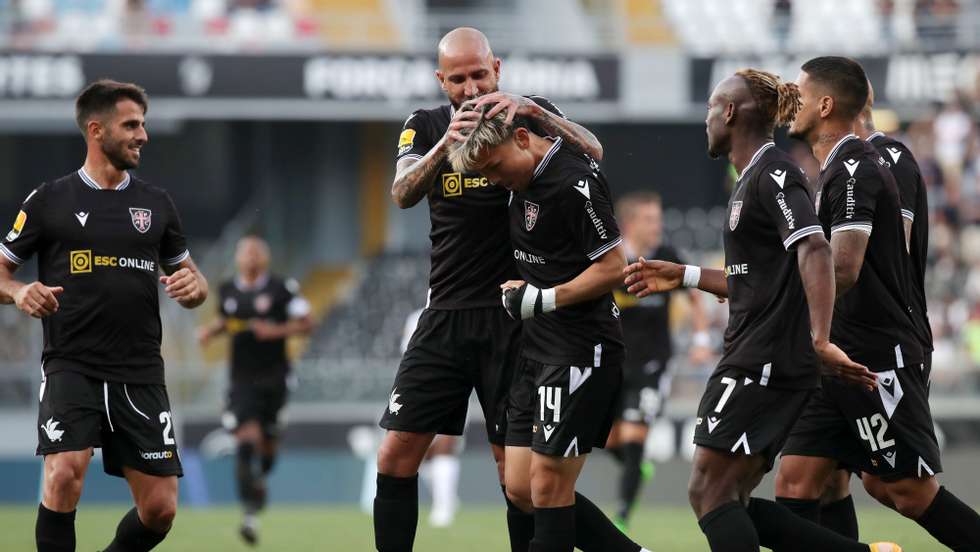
907,178
852,201
297,305
783,195
589,215
27,233
173,244
414,141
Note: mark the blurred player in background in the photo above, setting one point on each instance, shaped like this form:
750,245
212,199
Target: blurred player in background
889,435
647,371
464,341
259,311
779,281
101,236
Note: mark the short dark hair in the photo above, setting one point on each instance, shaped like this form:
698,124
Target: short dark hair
102,96
846,79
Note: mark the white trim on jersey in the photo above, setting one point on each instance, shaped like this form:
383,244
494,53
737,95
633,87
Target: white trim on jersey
755,158
603,249
899,358
93,184
547,158
908,214
876,134
836,147
176,260
859,226
801,233
10,255
410,156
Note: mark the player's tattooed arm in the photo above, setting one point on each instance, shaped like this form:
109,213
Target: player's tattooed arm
602,276
645,277
414,177
35,299
185,284
816,263
848,247
571,133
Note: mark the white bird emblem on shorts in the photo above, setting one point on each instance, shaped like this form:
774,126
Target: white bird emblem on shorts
393,405
50,427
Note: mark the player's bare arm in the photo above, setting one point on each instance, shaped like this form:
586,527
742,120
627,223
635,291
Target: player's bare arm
816,264
849,247
651,276
269,331
210,331
185,284
572,133
34,299
414,177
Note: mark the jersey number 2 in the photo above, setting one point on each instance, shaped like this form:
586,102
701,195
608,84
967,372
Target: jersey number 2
168,429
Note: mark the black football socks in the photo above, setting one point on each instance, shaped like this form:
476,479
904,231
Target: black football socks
133,536
595,533
805,508
396,513
729,529
839,516
629,485
245,476
520,525
783,531
554,529
952,522
54,531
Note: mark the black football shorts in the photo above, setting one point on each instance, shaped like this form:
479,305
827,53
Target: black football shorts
888,432
132,423
646,387
738,415
451,353
561,410
259,402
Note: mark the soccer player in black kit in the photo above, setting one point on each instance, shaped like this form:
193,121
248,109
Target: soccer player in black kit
569,256
101,235
779,282
260,311
887,435
463,340
647,371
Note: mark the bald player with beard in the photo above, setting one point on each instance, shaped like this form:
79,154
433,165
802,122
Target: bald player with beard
464,340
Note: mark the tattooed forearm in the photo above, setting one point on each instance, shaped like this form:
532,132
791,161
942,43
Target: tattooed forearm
414,178
573,134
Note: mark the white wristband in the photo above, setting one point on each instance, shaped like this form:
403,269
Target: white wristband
548,300
692,276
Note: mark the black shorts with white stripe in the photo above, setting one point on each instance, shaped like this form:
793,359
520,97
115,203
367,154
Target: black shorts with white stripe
742,415
132,423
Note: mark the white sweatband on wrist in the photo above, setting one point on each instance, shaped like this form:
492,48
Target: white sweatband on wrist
692,276
700,339
548,300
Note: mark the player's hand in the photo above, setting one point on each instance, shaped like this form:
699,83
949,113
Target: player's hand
37,299
645,277
204,335
265,331
511,295
462,121
835,362
183,286
514,104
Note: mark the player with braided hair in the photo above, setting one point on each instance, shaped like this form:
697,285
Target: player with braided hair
779,282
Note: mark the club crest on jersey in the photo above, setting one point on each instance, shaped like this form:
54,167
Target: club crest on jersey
733,218
141,218
530,214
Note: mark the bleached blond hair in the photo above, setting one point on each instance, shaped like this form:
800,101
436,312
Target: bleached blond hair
488,133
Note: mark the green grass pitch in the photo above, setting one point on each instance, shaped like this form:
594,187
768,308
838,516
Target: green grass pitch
477,529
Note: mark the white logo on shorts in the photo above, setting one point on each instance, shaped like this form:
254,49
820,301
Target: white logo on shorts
50,428
393,405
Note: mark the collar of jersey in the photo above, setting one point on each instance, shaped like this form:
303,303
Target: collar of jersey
833,151
91,183
876,134
755,158
259,283
547,157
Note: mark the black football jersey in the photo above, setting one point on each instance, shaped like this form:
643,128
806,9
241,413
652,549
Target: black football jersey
768,336
270,299
646,320
559,226
915,208
468,217
872,321
106,248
